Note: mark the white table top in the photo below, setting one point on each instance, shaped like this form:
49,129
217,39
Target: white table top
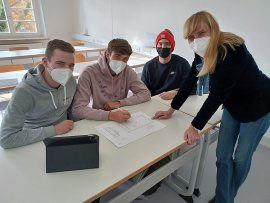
23,176
7,55
192,106
138,60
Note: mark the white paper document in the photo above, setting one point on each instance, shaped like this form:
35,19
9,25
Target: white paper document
138,126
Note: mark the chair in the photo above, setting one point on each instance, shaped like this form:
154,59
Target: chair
79,58
18,48
77,44
11,67
38,62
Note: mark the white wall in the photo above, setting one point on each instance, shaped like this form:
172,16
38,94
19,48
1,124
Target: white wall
136,20
95,16
58,16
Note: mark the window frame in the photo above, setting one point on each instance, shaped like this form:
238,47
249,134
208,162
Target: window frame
39,20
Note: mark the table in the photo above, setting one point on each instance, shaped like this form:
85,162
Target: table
23,176
138,60
9,55
191,107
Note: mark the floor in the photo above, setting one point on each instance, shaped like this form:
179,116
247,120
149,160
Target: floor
256,188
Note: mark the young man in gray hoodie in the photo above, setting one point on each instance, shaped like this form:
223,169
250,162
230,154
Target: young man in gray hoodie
38,107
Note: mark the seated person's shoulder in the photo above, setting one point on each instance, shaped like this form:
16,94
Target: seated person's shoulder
23,88
90,70
151,63
22,95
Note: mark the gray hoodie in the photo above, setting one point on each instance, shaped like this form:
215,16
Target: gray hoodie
33,110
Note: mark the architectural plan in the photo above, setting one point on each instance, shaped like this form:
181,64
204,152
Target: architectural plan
138,126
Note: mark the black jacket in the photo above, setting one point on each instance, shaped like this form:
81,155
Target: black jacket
237,83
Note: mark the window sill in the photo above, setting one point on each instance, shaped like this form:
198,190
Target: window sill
22,40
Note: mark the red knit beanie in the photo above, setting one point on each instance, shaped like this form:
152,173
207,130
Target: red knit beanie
166,35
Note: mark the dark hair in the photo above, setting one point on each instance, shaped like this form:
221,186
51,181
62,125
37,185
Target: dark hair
58,44
119,45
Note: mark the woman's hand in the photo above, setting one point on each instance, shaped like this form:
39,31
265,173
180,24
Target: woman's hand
164,114
191,135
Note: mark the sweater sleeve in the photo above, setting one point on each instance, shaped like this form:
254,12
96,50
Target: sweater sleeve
140,92
186,88
12,133
224,79
186,69
80,108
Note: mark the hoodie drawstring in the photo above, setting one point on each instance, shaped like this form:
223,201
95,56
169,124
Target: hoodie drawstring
53,97
65,95
119,88
112,86
53,100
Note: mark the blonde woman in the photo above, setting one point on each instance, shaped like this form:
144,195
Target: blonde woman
234,81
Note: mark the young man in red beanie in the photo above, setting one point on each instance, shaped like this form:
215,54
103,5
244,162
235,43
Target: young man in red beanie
167,71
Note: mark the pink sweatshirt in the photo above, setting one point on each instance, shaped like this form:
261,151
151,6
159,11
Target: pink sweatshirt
96,86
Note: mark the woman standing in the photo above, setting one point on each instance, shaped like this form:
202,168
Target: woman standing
234,81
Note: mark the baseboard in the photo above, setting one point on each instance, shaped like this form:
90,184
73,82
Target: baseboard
265,141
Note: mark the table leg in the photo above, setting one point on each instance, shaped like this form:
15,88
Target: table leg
147,182
208,140
187,194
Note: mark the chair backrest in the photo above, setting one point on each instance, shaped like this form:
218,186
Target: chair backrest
79,58
18,48
77,44
38,62
11,67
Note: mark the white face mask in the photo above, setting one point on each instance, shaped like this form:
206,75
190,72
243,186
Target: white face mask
61,75
117,66
200,45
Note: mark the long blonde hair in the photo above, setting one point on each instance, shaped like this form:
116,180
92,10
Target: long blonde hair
217,39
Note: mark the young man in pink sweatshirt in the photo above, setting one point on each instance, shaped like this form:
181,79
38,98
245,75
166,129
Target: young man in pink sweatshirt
104,86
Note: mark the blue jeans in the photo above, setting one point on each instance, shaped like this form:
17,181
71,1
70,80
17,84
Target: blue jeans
233,170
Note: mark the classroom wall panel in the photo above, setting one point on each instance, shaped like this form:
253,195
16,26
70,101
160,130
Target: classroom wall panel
139,21
58,17
93,18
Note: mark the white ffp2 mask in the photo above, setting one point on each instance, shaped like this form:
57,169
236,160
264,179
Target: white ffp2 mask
200,45
117,66
61,75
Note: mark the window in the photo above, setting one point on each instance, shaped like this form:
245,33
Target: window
20,18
